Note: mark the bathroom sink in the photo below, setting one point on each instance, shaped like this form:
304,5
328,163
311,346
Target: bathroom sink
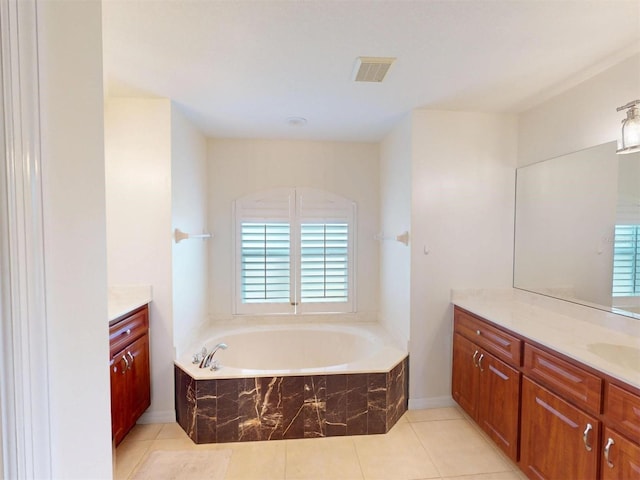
622,355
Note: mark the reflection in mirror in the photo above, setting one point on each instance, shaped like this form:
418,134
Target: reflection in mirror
578,229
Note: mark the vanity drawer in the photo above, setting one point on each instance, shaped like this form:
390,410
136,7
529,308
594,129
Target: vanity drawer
492,339
567,380
125,331
622,409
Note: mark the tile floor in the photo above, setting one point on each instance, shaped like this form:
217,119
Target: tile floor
425,444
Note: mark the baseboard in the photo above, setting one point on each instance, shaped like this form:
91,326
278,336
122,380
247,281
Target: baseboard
168,416
430,402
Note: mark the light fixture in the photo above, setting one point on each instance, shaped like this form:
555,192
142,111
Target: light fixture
296,121
629,141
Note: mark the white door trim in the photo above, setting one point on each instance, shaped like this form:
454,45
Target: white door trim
24,390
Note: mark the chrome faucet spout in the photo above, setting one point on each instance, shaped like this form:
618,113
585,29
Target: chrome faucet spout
206,360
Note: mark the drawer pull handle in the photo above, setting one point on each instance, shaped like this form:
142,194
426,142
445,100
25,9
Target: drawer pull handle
480,362
126,364
607,449
131,357
585,436
475,354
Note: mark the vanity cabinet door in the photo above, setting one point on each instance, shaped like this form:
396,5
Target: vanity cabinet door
488,390
464,383
621,457
119,410
138,377
498,404
558,440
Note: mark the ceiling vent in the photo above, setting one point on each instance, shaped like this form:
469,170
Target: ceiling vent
372,69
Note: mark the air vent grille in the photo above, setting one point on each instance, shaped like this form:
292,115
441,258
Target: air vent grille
372,69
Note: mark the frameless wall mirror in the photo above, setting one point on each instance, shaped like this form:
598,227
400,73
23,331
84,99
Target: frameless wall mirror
577,226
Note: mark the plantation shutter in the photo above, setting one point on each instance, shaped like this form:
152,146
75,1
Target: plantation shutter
326,259
626,261
294,252
263,252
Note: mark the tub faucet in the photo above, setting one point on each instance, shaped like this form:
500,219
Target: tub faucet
206,360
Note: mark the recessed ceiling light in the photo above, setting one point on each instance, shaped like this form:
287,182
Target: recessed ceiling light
296,121
372,69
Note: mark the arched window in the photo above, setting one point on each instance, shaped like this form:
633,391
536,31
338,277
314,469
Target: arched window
294,252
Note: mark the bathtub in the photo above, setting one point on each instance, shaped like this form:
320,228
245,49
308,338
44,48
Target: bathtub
293,381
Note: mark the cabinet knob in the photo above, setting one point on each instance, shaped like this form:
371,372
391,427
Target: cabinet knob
128,332
607,449
478,332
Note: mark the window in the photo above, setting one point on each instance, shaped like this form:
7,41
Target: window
626,261
294,252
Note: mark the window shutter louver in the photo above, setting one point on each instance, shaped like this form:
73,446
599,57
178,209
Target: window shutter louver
324,261
265,269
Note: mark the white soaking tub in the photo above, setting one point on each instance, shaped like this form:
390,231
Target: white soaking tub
297,349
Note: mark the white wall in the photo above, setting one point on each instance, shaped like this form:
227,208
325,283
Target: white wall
74,229
139,235
581,117
395,218
189,214
239,167
462,213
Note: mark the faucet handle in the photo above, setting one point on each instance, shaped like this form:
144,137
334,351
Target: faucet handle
215,365
199,356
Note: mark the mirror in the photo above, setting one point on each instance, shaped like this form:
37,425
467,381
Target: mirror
569,213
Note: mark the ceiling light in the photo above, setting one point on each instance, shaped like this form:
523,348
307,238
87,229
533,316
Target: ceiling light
629,141
372,69
296,121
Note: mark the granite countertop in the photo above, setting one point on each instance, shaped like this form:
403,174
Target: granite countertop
605,341
123,299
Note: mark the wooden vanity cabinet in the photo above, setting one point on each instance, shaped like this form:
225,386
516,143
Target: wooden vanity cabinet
571,421
486,387
621,439
129,371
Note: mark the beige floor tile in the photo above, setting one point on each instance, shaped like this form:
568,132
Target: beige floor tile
322,458
430,414
491,476
176,444
398,455
457,448
144,432
171,430
256,460
128,455
403,419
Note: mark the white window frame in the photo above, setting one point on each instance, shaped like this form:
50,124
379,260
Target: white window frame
295,206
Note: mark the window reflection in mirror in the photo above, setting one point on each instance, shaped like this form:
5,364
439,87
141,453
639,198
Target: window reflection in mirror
568,210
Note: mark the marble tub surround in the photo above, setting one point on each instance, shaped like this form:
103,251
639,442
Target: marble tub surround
123,299
604,341
287,407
